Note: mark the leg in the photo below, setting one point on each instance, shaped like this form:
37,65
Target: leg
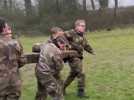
50,86
41,92
14,90
4,83
75,70
81,80
72,75
54,88
12,96
60,85
81,85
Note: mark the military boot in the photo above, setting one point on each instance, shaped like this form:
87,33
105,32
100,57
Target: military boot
81,94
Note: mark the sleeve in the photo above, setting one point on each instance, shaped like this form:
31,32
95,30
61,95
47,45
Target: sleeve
36,47
42,58
19,47
58,62
68,35
87,47
68,54
31,58
21,58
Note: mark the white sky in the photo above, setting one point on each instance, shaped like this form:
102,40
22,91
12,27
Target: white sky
122,3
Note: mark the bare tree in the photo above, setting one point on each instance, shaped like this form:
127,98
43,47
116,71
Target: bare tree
5,4
58,8
10,4
93,5
70,4
103,3
1,3
28,7
116,7
85,5
40,7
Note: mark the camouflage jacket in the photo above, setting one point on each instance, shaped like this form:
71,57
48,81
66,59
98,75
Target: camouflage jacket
10,53
78,42
50,60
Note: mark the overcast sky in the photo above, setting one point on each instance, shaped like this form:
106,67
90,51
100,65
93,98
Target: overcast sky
122,3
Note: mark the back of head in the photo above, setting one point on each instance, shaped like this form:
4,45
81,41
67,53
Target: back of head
54,30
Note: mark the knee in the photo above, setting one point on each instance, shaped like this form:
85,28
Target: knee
74,73
81,75
77,72
40,93
52,89
13,96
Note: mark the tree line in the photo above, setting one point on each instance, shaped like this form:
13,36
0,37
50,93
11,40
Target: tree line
42,14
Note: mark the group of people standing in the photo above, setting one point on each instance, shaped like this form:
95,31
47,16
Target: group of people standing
62,47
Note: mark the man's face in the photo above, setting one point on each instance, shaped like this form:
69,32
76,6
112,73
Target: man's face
7,30
81,27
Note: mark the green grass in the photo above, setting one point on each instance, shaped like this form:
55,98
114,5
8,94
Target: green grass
109,74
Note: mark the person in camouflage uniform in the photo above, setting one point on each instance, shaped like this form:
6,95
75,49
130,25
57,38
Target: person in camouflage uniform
49,66
10,53
78,43
47,73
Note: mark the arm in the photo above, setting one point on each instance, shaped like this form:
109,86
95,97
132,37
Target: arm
68,54
77,47
30,58
58,62
68,35
87,47
74,46
21,59
36,48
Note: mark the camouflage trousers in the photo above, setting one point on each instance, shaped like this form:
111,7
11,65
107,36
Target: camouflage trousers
76,71
10,87
49,84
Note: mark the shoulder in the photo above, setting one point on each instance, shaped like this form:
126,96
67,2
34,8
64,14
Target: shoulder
69,33
16,43
50,39
50,49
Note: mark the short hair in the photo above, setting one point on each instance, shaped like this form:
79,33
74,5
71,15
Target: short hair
62,39
55,29
78,21
2,24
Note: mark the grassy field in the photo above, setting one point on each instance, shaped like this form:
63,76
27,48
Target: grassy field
110,73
